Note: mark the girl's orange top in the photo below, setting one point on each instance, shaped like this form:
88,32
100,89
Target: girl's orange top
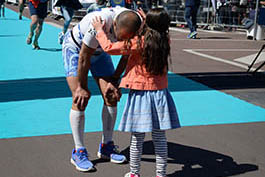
136,77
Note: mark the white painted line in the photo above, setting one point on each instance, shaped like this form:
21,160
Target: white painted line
179,30
249,59
227,50
219,59
205,31
188,31
210,31
212,40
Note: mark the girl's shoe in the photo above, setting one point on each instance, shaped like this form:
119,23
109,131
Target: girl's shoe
131,175
35,45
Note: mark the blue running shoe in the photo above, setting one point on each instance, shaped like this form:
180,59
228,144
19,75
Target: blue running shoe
109,151
192,35
189,36
80,160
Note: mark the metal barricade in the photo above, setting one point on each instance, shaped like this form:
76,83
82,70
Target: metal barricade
225,13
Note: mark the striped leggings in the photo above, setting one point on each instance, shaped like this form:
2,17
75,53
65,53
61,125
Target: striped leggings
161,151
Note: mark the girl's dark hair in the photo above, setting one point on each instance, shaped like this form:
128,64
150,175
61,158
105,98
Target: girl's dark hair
156,48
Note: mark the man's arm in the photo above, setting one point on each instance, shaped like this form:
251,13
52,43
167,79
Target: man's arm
121,67
112,91
84,64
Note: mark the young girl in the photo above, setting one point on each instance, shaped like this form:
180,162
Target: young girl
150,107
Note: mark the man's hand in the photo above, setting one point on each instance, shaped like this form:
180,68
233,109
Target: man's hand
81,98
112,93
98,24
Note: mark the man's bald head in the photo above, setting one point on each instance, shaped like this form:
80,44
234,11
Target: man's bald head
128,21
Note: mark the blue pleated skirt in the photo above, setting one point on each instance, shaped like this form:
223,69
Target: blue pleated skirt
148,110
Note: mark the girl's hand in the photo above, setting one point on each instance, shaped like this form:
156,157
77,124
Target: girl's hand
98,24
141,12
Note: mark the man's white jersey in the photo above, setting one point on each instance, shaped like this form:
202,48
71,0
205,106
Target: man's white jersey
85,32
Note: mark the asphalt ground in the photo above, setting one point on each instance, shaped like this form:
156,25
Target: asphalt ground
218,60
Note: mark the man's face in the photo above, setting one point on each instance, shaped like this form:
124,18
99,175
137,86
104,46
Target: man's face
122,34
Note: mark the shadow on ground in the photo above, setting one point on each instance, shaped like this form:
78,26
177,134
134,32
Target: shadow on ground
56,87
228,80
216,37
11,35
50,49
197,162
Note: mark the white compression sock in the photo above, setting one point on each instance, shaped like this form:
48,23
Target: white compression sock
109,115
77,122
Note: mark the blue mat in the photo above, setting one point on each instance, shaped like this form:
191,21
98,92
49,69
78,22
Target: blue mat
35,99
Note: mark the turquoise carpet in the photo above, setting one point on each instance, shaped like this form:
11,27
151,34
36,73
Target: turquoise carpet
35,99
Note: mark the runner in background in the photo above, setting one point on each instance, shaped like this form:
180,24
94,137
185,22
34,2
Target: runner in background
21,4
99,4
38,11
2,7
67,9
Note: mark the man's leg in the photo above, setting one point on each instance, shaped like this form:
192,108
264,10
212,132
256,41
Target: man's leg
79,156
2,6
68,15
194,11
107,149
37,33
33,26
109,113
102,69
188,20
77,121
77,117
21,8
0,9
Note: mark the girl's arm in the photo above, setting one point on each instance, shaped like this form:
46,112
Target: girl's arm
112,48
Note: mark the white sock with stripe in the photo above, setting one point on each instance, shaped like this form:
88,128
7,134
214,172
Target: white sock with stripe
109,115
77,122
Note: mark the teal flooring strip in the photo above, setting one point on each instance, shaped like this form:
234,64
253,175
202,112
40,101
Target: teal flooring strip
35,100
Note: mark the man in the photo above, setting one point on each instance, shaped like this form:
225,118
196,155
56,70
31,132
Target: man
2,7
67,9
38,12
21,8
99,4
81,53
191,9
